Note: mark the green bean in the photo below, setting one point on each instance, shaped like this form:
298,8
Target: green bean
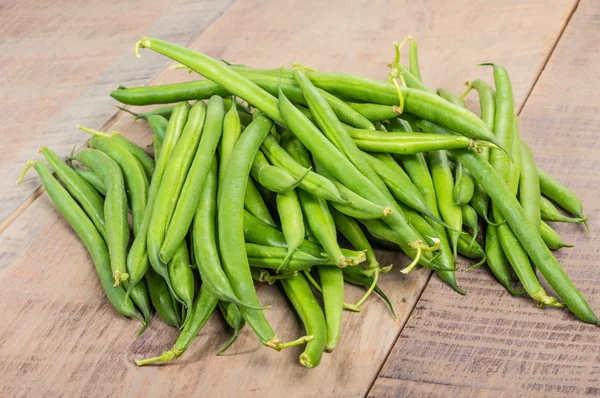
93,179
332,283
355,205
115,208
230,216
407,144
203,307
256,231
333,129
219,73
551,238
182,277
271,257
158,124
470,248
400,184
83,192
450,97
156,146
300,295
89,235
161,298
323,150
527,235
164,111
470,219
376,112
560,194
292,222
487,105
272,177
205,244
137,259
195,179
529,187
414,59
464,186
141,155
133,172
496,259
550,213
172,181
515,166
139,296
418,102
170,93
418,171
234,318
444,187
322,225
352,231
313,182
255,204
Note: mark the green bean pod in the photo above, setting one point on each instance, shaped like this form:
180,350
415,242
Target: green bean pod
91,202
312,182
527,235
271,257
292,221
115,208
414,59
89,235
205,244
232,315
551,238
160,295
324,151
444,188
272,177
172,182
550,213
169,93
164,112
195,180
133,172
141,155
322,225
332,283
182,277
470,219
230,216
464,186
470,248
158,124
529,188
375,112
487,105
156,146
202,309
496,259
560,194
450,97
300,295
417,102
93,179
137,259
408,144
354,276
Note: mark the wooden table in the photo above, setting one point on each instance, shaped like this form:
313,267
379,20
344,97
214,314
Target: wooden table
59,336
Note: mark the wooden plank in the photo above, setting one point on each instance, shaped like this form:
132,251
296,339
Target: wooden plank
491,341
85,349
70,55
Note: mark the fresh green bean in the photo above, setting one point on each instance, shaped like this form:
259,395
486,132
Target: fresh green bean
115,208
549,212
87,232
166,306
300,295
234,318
292,222
560,194
93,179
464,186
551,238
529,187
182,277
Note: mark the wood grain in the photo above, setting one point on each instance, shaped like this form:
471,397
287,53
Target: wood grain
63,338
490,341
59,61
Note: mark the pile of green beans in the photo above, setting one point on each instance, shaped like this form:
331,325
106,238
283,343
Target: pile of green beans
292,177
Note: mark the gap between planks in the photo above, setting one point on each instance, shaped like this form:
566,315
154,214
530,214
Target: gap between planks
537,78
112,120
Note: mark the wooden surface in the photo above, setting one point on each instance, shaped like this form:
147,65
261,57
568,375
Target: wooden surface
59,336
